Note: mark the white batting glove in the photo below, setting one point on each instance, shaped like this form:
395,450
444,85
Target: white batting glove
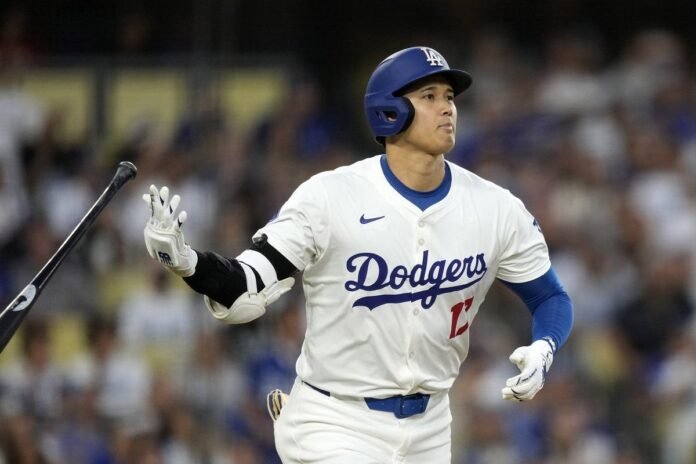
163,236
534,362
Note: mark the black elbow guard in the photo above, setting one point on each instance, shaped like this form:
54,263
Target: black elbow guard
223,279
220,278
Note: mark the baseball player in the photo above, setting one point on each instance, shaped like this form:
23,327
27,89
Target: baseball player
397,253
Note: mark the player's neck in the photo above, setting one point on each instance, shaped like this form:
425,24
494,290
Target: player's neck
418,171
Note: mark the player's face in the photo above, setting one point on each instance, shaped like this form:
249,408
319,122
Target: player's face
434,125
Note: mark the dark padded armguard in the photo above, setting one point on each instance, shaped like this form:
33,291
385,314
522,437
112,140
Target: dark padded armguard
218,277
223,279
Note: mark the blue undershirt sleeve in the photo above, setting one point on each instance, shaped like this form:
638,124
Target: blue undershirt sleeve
550,305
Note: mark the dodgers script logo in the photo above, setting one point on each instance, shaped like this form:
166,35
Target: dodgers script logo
425,281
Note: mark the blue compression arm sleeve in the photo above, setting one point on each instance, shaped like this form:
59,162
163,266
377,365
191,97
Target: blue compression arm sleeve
550,305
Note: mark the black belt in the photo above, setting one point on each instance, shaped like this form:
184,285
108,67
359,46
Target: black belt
401,405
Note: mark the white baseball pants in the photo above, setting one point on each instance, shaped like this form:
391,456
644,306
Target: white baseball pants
318,429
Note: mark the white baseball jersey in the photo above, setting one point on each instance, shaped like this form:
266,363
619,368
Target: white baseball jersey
391,290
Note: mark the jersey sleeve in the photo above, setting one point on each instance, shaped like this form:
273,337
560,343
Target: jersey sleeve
300,230
525,255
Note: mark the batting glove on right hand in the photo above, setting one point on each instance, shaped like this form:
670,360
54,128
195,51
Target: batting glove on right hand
534,362
163,236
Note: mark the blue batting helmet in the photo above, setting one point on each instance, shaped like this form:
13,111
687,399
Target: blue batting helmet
387,111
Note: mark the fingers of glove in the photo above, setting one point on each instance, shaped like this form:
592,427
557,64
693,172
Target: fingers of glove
156,203
180,220
523,386
513,395
524,376
524,379
518,394
174,204
164,196
148,199
162,208
512,381
166,213
518,356
509,394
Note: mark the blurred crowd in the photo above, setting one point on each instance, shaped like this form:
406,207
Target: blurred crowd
119,362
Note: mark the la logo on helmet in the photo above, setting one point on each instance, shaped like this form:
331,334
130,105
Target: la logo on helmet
433,57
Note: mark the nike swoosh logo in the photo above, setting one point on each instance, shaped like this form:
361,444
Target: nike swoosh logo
17,304
22,301
364,220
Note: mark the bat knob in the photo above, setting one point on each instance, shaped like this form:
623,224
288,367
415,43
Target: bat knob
129,168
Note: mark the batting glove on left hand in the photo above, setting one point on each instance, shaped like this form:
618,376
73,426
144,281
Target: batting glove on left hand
163,236
534,362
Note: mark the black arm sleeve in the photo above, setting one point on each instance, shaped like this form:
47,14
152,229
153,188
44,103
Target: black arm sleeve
223,279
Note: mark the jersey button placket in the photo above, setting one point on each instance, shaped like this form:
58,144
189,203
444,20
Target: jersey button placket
421,246
421,240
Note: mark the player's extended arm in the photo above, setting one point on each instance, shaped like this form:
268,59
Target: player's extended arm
552,320
236,290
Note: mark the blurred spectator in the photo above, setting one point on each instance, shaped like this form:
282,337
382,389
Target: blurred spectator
160,323
305,128
18,441
660,192
213,383
656,315
487,440
33,384
184,443
494,62
575,440
201,126
117,271
119,382
238,452
571,84
80,437
21,126
31,398
67,198
652,59
675,391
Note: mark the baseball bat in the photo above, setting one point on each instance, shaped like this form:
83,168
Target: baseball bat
13,315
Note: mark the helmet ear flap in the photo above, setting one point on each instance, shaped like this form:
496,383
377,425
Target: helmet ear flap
410,114
392,119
